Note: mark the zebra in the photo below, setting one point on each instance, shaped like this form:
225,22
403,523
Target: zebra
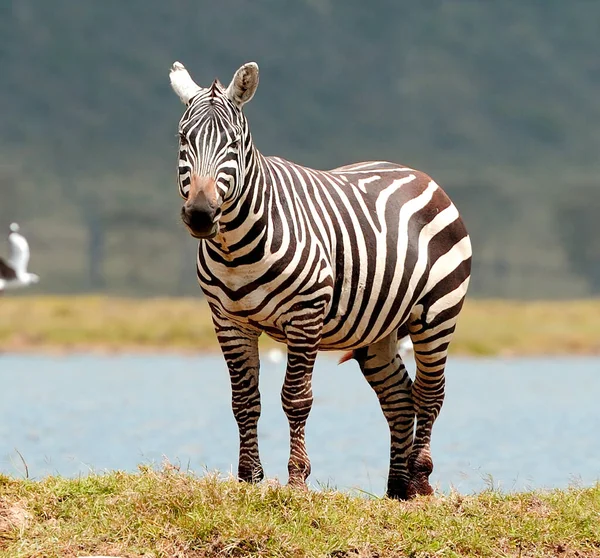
350,259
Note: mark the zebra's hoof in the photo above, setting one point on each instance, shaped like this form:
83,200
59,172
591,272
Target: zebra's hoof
252,476
419,487
397,489
420,468
297,484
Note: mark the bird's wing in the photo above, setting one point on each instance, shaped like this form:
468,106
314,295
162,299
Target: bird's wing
6,272
19,252
405,343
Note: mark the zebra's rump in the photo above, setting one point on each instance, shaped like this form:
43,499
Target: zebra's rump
405,238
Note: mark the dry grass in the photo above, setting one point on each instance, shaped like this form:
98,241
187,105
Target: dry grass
500,327
105,323
184,324
171,514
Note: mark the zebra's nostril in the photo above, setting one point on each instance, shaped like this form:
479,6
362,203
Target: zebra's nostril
186,214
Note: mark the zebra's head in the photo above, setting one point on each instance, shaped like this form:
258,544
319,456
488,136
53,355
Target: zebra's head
214,141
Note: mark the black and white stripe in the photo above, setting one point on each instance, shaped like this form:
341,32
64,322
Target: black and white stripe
349,259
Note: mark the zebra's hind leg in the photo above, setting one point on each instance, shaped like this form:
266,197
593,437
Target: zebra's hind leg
240,349
431,339
384,370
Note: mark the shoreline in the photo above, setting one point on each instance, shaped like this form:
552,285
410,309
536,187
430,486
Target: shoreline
99,349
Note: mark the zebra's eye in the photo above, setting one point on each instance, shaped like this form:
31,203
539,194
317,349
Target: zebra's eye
234,143
182,138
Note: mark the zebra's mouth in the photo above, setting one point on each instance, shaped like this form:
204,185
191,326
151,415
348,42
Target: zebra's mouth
205,234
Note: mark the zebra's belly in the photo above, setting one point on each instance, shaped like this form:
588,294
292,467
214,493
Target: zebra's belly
332,342
357,315
359,327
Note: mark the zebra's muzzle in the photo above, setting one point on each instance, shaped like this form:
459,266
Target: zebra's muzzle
200,213
200,224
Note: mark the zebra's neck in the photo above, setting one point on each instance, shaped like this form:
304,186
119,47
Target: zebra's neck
245,219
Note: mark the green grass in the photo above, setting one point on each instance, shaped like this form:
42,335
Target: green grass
169,513
102,323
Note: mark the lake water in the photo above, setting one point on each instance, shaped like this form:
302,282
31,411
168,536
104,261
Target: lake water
515,423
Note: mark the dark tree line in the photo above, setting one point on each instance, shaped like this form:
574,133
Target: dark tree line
497,101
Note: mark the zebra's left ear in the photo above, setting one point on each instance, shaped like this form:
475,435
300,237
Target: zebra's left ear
244,84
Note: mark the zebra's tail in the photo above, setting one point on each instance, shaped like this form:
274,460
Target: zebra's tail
405,348
346,357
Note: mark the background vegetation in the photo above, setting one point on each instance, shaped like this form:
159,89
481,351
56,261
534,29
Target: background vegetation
498,101
101,323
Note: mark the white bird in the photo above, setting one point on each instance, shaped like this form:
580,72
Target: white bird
275,355
13,272
405,347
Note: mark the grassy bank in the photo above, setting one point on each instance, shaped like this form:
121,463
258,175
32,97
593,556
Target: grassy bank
115,324
172,514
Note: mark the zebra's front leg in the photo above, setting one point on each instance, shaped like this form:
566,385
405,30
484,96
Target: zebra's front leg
240,349
297,399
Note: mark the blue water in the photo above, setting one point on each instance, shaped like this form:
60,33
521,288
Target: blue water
513,423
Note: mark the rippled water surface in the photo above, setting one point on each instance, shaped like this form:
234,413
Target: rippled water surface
516,423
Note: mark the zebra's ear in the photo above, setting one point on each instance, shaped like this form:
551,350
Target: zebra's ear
244,84
182,83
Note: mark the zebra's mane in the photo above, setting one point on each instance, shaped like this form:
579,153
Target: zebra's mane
215,90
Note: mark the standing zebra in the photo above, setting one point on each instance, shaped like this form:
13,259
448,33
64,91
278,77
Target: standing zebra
349,259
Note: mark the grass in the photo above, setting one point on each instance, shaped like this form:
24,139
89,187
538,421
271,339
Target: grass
485,328
105,323
502,327
168,513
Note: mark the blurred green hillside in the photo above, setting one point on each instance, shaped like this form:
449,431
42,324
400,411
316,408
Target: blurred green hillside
499,102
